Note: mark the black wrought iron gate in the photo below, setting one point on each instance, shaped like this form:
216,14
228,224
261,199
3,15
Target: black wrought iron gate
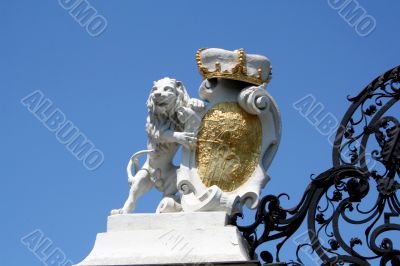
360,189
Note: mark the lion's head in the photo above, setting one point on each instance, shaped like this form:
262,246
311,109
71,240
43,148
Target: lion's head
166,96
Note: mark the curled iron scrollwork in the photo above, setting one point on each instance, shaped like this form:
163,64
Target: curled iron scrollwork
359,190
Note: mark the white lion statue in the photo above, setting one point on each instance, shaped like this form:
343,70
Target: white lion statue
167,102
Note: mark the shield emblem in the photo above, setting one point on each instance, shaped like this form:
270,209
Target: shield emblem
228,146
237,131
236,142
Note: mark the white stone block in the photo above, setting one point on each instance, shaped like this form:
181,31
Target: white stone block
140,239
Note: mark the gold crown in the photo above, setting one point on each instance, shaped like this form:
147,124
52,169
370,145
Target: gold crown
236,65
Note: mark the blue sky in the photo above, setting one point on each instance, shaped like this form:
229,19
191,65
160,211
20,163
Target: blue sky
101,84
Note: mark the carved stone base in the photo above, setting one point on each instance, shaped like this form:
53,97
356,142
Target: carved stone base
229,263
168,238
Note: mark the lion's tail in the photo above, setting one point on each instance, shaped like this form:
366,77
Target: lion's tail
134,161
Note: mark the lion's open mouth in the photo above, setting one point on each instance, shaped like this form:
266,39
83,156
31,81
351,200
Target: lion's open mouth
162,103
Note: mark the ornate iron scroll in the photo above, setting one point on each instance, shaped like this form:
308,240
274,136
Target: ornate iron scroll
359,190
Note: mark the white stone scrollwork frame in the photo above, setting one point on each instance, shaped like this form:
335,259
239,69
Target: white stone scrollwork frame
254,100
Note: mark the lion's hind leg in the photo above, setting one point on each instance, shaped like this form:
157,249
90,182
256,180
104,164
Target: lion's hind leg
171,202
141,184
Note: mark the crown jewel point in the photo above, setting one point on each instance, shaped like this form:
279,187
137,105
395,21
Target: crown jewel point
219,63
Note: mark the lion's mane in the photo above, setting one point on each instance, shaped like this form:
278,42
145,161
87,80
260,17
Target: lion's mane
158,123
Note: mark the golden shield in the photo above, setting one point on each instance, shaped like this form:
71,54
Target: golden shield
228,146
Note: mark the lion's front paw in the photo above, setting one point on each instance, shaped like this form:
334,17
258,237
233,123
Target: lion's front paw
118,211
187,139
196,104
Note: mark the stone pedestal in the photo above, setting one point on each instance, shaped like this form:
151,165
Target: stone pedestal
172,238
